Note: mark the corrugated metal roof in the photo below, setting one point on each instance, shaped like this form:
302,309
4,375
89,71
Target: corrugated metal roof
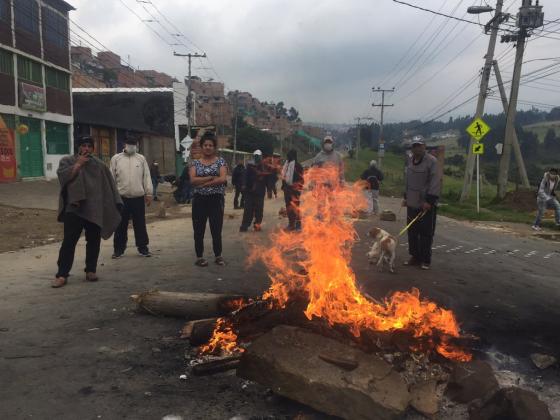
120,90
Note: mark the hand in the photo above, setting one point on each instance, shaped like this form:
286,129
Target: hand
82,160
403,202
148,200
426,206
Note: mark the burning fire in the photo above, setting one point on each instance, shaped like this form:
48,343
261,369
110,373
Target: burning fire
223,339
316,261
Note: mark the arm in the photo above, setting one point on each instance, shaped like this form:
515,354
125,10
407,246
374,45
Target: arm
434,185
198,181
222,179
147,181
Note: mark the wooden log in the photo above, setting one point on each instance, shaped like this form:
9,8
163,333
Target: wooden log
201,331
215,366
186,305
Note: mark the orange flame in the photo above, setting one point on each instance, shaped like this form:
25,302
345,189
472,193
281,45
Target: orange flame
322,250
224,340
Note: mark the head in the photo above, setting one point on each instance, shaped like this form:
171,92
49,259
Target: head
328,144
553,173
292,155
155,162
257,156
85,145
418,148
375,233
240,163
373,164
209,144
130,146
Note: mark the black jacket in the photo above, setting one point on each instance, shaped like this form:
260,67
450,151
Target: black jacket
237,176
373,176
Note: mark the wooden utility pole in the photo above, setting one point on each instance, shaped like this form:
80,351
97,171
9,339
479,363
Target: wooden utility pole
359,138
493,25
383,105
515,141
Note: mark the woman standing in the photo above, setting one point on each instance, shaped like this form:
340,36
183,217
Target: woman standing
208,179
292,184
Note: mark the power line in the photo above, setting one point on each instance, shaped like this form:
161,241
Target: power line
438,13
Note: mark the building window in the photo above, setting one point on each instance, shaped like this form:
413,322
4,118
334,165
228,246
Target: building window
5,11
55,28
27,15
57,79
29,70
57,138
6,63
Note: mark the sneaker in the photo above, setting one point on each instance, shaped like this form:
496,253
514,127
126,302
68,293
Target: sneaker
425,266
116,255
412,261
257,227
536,228
144,253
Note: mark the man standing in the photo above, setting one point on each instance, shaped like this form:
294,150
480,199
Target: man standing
132,175
420,198
154,173
88,201
254,190
546,197
328,157
373,177
237,181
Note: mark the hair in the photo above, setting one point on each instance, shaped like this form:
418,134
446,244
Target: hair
209,136
555,170
292,155
85,139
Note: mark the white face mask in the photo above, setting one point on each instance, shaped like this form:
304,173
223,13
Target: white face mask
328,147
130,149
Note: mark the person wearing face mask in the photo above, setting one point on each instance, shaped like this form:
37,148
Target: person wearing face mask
154,172
328,157
292,184
546,197
132,175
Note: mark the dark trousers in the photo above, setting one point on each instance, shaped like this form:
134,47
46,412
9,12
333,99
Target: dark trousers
135,209
73,227
291,198
155,183
254,208
421,234
236,202
208,208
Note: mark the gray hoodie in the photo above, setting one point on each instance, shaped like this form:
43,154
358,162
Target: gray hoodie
547,187
422,182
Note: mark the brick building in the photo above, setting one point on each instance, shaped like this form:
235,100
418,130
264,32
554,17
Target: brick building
35,85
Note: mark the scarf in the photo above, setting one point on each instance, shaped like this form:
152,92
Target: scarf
288,172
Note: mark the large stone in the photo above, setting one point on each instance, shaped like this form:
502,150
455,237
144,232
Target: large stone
287,360
388,216
511,404
543,361
424,397
471,381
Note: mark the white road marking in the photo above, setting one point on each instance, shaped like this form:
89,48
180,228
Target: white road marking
472,251
455,249
439,246
530,254
513,252
548,256
492,251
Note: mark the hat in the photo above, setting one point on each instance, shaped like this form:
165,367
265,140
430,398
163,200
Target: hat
257,152
373,163
130,140
328,138
417,140
85,140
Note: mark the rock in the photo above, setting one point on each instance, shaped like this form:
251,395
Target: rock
388,216
424,398
471,381
286,359
543,361
511,404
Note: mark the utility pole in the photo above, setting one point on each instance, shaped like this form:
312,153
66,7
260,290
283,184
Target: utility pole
189,85
493,27
528,18
359,139
383,105
514,139
235,129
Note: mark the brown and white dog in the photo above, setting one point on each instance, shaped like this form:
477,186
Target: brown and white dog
384,248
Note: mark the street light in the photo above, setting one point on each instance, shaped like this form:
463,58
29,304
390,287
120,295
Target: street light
477,10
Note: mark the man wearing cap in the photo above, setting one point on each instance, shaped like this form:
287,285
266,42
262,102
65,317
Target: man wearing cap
254,190
328,157
372,177
422,191
89,201
132,175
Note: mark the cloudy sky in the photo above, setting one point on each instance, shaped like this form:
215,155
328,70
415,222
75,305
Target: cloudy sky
323,56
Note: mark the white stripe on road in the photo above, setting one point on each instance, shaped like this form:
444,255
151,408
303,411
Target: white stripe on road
548,256
530,254
455,249
472,251
492,251
513,252
439,246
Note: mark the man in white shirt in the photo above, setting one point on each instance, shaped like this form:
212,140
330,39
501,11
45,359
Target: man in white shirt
132,175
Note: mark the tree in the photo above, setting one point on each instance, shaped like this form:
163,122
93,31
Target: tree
281,111
551,143
293,114
529,143
250,139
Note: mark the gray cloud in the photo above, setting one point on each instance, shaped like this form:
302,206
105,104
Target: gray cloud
322,57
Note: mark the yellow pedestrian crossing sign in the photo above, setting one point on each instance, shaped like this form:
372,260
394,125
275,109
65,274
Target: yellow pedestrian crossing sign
478,129
478,149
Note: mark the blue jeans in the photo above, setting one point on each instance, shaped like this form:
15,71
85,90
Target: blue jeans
542,205
155,182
